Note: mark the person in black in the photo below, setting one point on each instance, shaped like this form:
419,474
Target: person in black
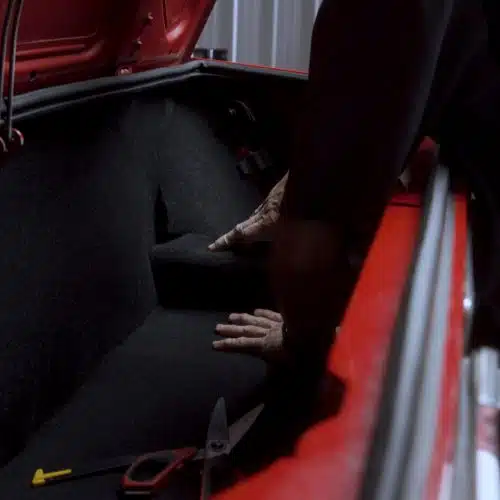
383,74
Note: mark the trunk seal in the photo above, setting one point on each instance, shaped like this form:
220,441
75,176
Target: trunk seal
43,101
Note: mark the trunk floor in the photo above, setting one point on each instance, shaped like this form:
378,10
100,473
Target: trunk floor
154,391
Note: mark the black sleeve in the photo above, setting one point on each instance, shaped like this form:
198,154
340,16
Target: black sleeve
371,70
469,137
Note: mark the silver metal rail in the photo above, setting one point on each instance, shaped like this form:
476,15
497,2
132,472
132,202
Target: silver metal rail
403,443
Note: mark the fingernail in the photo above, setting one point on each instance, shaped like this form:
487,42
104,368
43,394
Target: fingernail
218,327
211,246
234,316
216,344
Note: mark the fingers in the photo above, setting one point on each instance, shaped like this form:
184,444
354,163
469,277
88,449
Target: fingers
247,324
240,345
253,334
241,231
240,331
271,315
225,242
259,209
245,330
248,319
253,227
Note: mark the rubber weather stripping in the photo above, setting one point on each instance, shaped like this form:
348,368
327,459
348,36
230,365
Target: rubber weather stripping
7,23
12,67
11,25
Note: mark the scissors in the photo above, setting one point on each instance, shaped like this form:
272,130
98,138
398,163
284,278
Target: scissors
150,473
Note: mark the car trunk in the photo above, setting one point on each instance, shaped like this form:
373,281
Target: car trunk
108,210
111,296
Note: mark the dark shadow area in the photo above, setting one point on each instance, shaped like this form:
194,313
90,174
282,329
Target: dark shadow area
292,407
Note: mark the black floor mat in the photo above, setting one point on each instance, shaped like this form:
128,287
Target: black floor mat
186,272
155,391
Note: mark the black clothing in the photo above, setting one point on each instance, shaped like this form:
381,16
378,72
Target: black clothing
383,75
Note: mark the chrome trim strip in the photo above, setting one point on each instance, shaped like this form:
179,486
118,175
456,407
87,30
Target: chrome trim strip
469,293
486,376
391,446
463,487
429,396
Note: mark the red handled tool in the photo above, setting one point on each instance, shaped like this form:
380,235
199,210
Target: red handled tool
150,473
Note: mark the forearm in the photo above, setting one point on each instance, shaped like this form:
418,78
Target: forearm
310,281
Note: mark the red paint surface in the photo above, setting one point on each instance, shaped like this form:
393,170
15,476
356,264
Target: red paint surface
259,66
410,200
96,38
444,447
93,38
328,462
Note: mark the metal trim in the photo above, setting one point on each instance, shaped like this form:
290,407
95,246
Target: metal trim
391,446
464,464
469,302
429,395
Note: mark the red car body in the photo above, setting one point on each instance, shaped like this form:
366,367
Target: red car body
354,452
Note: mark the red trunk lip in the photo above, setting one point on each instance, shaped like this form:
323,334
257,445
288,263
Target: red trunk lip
58,45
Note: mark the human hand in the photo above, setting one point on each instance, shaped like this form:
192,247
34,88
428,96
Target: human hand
259,334
259,226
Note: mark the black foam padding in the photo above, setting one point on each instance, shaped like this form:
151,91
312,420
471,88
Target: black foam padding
187,274
155,391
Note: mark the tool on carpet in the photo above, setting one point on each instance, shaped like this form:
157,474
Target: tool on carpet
149,473
117,464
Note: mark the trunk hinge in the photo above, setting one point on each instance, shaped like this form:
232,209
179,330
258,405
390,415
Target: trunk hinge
11,137
132,49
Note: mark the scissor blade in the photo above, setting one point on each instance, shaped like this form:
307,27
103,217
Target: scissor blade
217,443
243,425
218,431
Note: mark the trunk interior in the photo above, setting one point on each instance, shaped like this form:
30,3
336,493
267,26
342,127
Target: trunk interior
110,295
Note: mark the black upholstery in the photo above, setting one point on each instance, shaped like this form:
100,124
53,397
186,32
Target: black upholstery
81,208
154,391
185,273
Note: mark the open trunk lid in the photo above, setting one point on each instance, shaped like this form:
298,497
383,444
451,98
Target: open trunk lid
61,42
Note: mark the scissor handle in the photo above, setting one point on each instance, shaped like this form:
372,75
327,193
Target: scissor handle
161,464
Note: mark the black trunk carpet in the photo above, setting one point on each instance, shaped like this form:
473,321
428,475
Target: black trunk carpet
153,392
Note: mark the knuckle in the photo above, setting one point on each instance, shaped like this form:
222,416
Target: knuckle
274,215
239,228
